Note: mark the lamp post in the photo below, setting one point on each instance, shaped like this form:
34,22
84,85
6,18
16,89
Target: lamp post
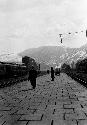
60,37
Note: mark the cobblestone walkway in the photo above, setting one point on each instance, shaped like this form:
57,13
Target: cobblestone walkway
62,102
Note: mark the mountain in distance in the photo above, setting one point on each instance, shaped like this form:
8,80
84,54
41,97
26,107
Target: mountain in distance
45,54
55,55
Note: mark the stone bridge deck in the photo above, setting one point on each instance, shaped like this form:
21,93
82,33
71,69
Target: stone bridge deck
62,102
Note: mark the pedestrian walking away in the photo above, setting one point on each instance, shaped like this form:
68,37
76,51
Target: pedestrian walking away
52,74
32,77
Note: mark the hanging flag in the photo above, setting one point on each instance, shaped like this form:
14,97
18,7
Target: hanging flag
76,32
86,33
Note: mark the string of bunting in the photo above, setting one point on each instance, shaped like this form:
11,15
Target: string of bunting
69,33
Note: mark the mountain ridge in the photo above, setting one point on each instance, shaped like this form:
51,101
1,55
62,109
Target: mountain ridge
55,55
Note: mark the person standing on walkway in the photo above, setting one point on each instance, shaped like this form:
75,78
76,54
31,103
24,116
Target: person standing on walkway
52,74
32,77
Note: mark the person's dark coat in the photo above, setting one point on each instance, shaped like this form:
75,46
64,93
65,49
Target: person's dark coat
32,74
52,73
32,77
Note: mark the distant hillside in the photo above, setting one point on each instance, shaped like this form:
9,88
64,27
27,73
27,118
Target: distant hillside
54,55
46,54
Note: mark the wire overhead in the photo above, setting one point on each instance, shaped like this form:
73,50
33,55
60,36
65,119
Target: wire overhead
69,33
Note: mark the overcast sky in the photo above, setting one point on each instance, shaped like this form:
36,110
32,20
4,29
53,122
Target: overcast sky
31,23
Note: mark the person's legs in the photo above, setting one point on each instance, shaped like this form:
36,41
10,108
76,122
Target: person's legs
33,83
52,78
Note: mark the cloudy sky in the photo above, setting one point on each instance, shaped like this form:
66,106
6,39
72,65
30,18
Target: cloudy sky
31,23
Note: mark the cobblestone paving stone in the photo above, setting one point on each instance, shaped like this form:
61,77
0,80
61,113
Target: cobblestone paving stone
59,102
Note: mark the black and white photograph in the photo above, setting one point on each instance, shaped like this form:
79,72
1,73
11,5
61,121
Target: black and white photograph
43,62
